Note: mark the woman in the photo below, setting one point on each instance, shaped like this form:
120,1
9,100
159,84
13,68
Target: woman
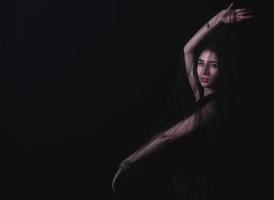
196,132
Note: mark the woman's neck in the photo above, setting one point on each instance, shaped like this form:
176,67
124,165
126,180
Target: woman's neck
208,91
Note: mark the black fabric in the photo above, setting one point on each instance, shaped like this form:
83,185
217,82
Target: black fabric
205,168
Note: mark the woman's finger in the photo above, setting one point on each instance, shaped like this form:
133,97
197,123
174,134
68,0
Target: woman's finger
230,6
241,18
243,12
240,10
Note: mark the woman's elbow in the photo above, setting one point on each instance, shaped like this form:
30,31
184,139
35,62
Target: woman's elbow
167,138
187,49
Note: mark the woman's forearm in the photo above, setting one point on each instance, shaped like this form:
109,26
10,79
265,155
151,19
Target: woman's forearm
226,16
202,34
162,140
157,143
165,138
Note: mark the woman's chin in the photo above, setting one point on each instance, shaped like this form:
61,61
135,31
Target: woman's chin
205,85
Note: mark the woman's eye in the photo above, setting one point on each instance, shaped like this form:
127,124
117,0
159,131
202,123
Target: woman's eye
214,65
200,64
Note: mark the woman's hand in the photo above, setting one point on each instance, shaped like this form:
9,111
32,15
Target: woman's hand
116,180
230,15
120,177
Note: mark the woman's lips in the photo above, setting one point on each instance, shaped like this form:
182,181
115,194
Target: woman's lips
204,79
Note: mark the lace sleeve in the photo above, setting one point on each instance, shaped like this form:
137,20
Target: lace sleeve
165,138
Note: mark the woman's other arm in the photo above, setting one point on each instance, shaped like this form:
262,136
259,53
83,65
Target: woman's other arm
162,140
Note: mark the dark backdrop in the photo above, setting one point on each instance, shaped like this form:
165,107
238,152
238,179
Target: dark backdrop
84,83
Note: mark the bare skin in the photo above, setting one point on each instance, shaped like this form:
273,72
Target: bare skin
208,71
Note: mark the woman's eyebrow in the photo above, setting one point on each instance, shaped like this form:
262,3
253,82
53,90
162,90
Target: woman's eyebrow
211,61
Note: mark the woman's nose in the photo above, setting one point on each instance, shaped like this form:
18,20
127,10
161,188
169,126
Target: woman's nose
206,70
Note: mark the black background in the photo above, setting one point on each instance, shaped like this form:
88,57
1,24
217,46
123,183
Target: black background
84,82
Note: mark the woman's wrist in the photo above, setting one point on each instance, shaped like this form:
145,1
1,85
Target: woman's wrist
124,165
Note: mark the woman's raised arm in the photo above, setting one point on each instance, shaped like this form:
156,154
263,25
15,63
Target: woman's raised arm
226,16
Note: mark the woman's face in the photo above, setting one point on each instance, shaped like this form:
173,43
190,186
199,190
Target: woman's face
208,68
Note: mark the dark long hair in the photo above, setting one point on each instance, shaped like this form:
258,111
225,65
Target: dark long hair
223,43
